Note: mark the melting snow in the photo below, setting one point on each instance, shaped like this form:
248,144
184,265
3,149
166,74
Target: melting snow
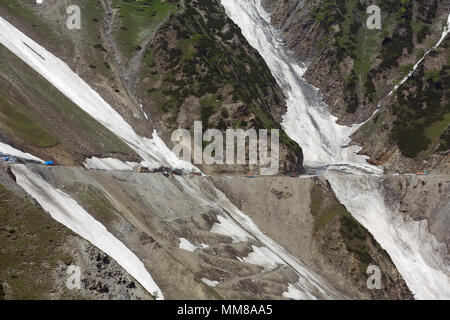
186,245
210,283
109,164
227,227
262,256
296,294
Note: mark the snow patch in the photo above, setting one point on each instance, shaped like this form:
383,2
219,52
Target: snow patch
262,256
210,283
228,228
186,245
109,164
145,114
295,293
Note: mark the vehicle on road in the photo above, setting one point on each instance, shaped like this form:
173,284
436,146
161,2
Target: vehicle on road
143,170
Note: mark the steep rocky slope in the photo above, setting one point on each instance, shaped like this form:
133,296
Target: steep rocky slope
355,68
36,251
199,67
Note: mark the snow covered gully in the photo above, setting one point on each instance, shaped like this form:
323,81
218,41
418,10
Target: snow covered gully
414,251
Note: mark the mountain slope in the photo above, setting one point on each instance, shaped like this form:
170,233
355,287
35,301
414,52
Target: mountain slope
356,68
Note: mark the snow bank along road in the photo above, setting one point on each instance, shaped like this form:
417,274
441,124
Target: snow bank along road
414,251
68,212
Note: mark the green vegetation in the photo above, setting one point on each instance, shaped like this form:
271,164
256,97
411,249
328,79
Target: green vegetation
213,66
23,128
93,52
204,64
138,19
58,118
422,112
348,38
26,14
214,292
322,210
356,238
30,248
94,201
445,140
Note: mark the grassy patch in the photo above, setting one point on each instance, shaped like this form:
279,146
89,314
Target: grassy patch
29,247
45,105
323,212
422,111
355,236
26,14
138,20
23,127
215,293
